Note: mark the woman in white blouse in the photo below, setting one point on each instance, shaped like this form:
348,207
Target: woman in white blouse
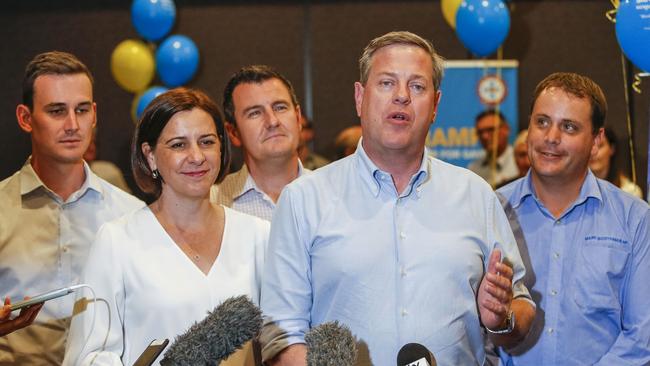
159,269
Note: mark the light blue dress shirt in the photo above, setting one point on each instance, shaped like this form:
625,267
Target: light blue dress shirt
589,272
396,268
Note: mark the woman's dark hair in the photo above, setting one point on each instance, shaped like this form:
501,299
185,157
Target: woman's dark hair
154,119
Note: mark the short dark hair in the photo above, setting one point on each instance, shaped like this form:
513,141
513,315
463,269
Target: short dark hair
252,74
50,63
401,38
581,87
154,119
492,112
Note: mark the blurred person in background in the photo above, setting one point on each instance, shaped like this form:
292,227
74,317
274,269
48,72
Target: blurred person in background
604,166
490,125
103,168
347,140
521,153
310,160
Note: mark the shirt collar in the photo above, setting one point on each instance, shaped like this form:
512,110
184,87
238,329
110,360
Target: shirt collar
522,190
589,189
249,183
30,181
372,176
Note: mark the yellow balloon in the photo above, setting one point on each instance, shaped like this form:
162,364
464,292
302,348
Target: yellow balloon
449,10
133,65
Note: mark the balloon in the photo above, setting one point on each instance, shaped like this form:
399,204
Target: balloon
146,98
132,65
177,59
153,19
449,9
482,25
633,32
134,107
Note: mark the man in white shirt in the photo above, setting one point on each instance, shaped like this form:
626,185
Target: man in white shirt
488,124
263,119
52,207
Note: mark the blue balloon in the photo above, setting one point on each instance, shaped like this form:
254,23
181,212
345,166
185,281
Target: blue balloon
482,25
633,32
153,19
146,98
177,60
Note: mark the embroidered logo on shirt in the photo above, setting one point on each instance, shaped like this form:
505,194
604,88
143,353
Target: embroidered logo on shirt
605,238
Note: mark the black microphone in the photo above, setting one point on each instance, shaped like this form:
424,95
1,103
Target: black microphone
331,344
415,354
225,330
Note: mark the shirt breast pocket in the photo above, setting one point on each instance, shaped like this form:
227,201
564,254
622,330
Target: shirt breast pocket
598,275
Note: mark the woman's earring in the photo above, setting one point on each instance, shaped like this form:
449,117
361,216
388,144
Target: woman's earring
155,174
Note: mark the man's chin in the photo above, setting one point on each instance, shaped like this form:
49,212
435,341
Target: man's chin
69,158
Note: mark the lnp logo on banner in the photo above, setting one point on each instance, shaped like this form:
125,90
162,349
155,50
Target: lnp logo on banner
492,90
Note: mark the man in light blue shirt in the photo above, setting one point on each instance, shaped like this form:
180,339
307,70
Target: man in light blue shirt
586,242
397,245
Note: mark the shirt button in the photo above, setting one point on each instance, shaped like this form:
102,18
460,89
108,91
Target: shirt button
402,235
404,312
550,330
553,292
558,222
556,255
65,249
403,273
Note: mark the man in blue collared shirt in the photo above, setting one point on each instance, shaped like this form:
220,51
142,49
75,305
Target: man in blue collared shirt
399,246
586,242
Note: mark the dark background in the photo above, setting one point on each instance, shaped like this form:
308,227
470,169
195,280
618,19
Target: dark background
545,36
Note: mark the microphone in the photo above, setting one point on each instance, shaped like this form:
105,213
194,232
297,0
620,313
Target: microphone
331,344
415,354
222,332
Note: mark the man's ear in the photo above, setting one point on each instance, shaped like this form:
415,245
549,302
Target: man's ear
299,115
24,117
95,114
435,105
358,96
233,133
597,139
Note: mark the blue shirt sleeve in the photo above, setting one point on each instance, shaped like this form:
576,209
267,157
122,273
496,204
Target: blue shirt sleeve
286,284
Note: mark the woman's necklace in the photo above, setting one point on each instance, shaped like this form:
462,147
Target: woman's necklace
193,253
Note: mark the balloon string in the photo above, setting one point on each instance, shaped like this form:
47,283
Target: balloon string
495,133
629,120
611,14
636,85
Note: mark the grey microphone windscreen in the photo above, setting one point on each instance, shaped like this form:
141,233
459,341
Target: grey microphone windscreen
224,330
331,344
